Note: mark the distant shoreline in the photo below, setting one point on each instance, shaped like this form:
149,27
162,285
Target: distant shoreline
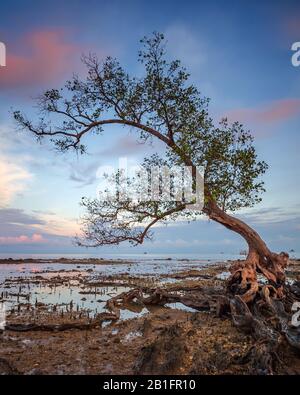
106,261
62,260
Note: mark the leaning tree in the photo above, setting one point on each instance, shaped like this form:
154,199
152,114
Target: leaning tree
163,105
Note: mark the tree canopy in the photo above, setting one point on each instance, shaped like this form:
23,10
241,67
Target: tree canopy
161,104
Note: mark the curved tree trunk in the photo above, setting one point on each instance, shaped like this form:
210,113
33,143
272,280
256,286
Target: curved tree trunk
260,259
262,310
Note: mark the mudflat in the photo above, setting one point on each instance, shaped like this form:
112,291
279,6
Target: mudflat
82,321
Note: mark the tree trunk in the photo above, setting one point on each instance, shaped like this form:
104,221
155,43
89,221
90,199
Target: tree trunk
260,259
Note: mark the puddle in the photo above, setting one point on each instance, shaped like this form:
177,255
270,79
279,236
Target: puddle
65,297
126,314
75,287
223,276
181,306
169,280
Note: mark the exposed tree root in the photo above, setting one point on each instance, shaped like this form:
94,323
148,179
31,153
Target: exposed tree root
244,281
264,316
269,322
263,354
264,311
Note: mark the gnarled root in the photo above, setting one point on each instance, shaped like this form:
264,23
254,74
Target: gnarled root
263,354
244,281
263,310
260,310
268,320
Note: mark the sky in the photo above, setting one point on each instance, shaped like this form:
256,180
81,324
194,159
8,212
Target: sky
238,54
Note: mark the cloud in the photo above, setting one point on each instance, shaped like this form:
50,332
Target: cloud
183,44
47,212
58,225
19,217
23,239
84,175
182,243
17,226
270,113
271,215
13,180
43,57
16,223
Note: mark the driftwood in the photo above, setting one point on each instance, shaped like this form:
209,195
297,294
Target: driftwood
160,297
94,323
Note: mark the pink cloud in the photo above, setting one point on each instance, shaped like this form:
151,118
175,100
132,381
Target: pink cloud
35,238
45,57
273,112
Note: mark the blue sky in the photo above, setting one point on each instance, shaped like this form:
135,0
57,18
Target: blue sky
238,54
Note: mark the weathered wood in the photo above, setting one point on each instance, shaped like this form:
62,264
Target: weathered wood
96,322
